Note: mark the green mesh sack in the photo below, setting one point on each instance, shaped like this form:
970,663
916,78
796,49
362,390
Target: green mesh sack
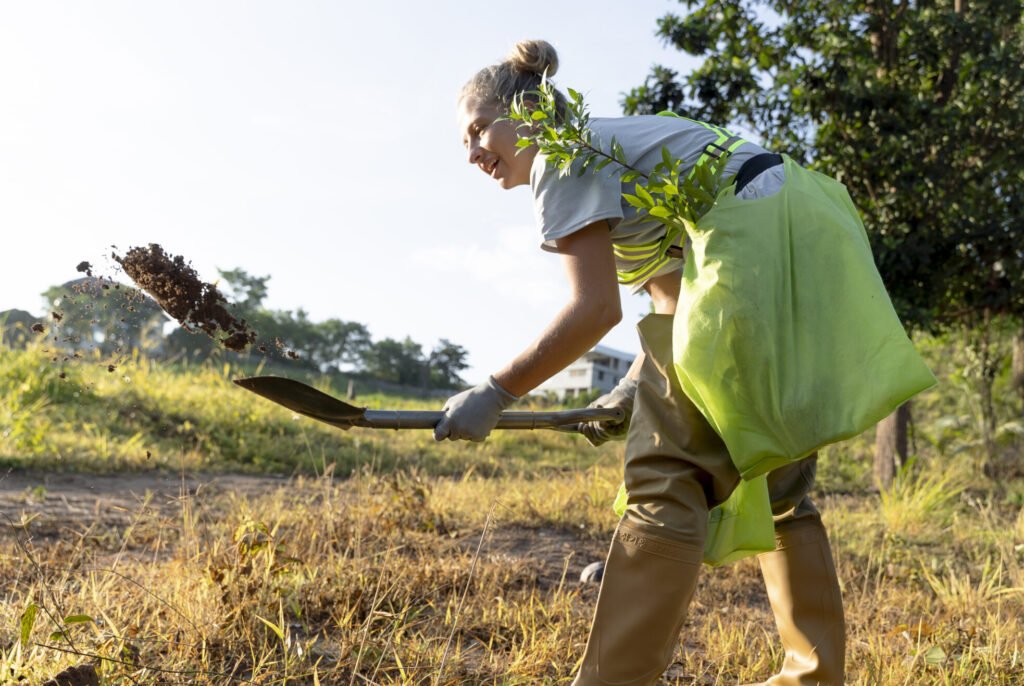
785,337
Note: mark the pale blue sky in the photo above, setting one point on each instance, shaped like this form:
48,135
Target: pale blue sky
312,141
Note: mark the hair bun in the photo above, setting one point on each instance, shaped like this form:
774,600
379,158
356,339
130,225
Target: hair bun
534,56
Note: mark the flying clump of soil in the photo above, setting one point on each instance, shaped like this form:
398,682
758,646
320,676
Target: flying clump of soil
177,288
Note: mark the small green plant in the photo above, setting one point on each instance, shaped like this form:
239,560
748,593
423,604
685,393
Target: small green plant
669,193
918,499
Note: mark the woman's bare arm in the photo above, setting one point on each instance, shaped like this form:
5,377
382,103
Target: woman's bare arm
593,309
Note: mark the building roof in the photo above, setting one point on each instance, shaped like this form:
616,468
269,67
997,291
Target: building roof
612,352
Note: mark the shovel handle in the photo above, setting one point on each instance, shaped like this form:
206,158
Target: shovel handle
427,419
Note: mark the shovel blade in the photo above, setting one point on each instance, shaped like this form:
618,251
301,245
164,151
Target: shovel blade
303,399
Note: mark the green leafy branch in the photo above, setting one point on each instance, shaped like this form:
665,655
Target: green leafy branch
668,193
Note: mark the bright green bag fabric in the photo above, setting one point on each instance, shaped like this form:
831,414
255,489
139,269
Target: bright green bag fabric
740,527
785,337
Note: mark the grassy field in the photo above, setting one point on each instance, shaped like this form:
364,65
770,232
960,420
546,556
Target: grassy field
389,559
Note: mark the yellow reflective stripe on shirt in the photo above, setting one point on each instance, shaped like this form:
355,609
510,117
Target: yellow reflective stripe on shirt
638,247
643,272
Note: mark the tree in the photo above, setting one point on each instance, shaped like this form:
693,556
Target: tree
446,361
248,291
917,106
339,343
394,361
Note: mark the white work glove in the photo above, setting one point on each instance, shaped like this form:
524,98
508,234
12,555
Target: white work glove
472,414
620,396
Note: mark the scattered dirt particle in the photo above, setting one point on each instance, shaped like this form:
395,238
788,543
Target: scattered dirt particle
38,328
85,267
105,286
111,368
263,348
148,454
292,354
62,375
176,287
56,316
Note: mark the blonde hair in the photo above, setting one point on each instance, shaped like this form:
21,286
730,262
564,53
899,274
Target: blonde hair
520,72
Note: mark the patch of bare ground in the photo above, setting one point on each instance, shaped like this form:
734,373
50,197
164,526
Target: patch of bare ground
60,503
55,505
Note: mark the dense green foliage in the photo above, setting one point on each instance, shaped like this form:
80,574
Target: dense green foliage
916,105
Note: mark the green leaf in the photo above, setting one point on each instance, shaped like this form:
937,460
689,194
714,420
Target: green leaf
602,164
618,153
524,143
669,189
58,635
77,619
538,114
273,627
703,195
659,211
634,201
28,619
645,196
704,176
666,156
934,656
630,176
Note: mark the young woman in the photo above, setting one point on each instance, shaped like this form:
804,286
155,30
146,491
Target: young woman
676,465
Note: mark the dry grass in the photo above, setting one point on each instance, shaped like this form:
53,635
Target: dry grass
402,578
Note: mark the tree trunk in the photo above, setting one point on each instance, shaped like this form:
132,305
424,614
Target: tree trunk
1017,366
891,445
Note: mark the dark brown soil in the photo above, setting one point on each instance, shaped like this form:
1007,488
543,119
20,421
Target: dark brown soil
85,267
176,287
78,675
38,328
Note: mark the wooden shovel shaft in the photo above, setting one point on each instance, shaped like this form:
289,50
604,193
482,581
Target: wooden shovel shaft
427,419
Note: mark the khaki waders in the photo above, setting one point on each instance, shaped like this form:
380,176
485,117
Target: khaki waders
677,468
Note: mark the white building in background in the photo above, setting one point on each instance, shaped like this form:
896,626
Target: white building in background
601,369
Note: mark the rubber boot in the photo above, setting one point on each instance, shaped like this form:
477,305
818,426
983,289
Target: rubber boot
646,590
803,589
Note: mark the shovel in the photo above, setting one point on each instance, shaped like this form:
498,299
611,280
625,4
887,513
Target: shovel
308,401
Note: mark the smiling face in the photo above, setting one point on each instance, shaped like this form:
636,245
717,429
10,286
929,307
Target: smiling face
492,144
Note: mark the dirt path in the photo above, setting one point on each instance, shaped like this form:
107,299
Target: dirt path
57,503
62,499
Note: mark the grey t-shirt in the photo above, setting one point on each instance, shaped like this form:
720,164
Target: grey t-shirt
564,205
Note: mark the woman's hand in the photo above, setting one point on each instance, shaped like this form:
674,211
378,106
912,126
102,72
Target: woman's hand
620,396
472,414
